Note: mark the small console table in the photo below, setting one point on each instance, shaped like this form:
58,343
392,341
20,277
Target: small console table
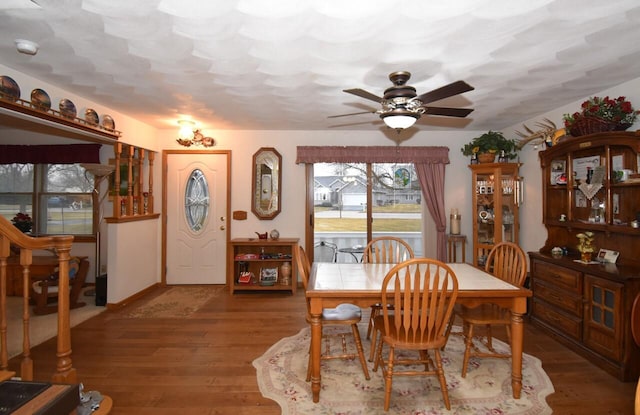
452,242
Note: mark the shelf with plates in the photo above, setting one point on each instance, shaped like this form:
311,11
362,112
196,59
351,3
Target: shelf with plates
28,111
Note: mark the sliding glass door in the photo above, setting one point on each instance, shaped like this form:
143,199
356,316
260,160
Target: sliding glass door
355,202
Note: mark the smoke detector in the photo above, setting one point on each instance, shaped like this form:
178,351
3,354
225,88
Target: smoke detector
27,47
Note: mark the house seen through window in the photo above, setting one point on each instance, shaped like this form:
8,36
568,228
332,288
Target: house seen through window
58,197
341,207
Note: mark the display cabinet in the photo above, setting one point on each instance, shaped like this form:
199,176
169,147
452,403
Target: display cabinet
262,264
590,184
496,198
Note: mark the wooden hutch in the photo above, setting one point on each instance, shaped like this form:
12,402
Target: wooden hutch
587,307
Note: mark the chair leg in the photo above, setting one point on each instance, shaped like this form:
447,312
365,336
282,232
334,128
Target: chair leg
467,350
374,312
447,333
374,339
363,362
442,379
378,356
388,380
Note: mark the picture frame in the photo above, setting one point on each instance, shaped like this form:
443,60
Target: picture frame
558,172
607,256
268,275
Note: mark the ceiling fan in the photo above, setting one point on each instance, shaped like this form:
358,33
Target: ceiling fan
402,107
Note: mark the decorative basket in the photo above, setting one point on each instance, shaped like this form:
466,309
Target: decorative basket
592,125
486,157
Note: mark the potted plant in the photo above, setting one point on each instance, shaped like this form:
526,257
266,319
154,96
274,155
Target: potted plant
23,222
585,246
600,114
491,143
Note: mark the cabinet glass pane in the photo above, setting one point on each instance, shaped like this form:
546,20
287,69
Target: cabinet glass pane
596,314
597,295
508,187
485,192
608,319
609,298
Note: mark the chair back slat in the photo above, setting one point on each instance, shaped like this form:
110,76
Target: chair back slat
387,250
423,292
508,262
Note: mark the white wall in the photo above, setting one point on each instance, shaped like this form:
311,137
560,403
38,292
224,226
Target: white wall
134,249
290,222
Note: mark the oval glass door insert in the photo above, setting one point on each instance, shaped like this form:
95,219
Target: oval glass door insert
196,200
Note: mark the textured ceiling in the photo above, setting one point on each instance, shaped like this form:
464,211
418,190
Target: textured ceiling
282,65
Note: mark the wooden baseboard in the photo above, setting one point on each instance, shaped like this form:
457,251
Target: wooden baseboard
139,294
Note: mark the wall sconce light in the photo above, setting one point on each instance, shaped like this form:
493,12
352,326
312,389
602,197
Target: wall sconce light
188,136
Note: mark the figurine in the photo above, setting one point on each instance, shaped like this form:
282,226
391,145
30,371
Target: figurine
262,235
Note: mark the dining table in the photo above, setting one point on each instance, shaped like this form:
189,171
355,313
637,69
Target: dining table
331,284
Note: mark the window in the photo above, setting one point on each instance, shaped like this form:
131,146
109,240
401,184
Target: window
58,197
341,207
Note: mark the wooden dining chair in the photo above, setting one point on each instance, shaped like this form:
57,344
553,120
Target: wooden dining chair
423,292
506,261
343,315
44,292
383,250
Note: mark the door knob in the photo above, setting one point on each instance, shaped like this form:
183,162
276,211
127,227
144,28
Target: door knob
222,227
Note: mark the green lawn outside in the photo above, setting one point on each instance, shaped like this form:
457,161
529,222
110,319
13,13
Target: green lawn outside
360,225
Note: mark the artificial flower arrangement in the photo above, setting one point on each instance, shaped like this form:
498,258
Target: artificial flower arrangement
23,222
585,246
491,142
609,114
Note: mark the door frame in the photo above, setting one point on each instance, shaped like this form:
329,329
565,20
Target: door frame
165,154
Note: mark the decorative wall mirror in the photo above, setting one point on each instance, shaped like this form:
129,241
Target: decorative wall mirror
267,178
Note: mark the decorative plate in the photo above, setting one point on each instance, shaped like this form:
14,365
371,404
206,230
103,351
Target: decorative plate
9,88
40,99
91,117
485,215
108,123
67,108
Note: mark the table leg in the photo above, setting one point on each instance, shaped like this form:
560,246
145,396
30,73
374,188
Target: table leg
316,343
517,340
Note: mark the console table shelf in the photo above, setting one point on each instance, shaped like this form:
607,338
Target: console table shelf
263,257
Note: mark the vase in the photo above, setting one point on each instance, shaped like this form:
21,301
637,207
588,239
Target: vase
486,157
586,256
285,273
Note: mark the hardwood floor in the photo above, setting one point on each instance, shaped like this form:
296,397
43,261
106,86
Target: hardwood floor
202,364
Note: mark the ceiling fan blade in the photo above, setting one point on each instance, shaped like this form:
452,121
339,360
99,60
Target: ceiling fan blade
363,94
448,112
353,113
446,91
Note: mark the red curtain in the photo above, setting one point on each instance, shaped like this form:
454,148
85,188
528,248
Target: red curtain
50,154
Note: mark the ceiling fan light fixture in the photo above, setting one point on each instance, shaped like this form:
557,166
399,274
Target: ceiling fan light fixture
399,120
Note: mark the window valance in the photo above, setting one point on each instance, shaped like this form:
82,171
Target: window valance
372,154
50,154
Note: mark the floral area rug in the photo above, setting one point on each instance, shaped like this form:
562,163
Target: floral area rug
177,302
486,390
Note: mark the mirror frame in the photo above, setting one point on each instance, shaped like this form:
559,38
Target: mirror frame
271,187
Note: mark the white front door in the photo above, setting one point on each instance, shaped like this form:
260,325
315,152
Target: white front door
196,217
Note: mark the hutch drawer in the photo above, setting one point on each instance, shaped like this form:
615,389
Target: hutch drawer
566,324
558,276
570,303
